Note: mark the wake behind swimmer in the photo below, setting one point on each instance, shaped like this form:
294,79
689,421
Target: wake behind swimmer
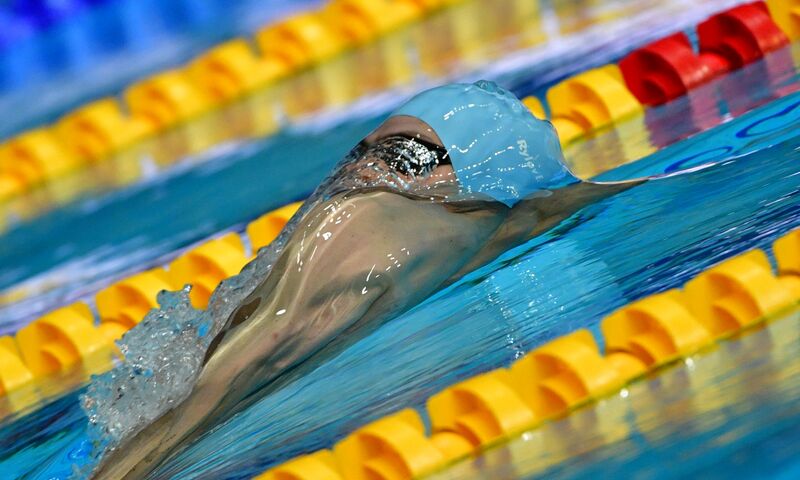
455,177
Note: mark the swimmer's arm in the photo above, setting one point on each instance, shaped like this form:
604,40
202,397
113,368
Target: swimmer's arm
533,216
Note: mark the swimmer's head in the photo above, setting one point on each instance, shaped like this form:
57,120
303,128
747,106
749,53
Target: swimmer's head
486,136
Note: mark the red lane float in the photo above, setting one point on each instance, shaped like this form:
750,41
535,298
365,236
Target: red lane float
741,35
670,67
666,69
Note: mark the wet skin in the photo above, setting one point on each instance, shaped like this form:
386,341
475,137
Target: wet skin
355,260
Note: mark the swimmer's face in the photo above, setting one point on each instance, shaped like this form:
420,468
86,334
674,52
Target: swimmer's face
411,149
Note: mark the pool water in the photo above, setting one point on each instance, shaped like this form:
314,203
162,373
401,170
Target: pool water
647,239
734,403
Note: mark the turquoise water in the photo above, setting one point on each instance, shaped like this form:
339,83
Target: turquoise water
649,238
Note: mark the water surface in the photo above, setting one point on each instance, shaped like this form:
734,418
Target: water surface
647,239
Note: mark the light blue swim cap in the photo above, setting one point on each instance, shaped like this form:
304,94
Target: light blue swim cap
497,147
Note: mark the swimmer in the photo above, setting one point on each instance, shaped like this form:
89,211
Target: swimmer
455,177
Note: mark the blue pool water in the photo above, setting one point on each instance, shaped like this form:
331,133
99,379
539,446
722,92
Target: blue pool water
650,238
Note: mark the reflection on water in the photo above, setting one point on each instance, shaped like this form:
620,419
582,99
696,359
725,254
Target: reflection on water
706,416
707,106
22,401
